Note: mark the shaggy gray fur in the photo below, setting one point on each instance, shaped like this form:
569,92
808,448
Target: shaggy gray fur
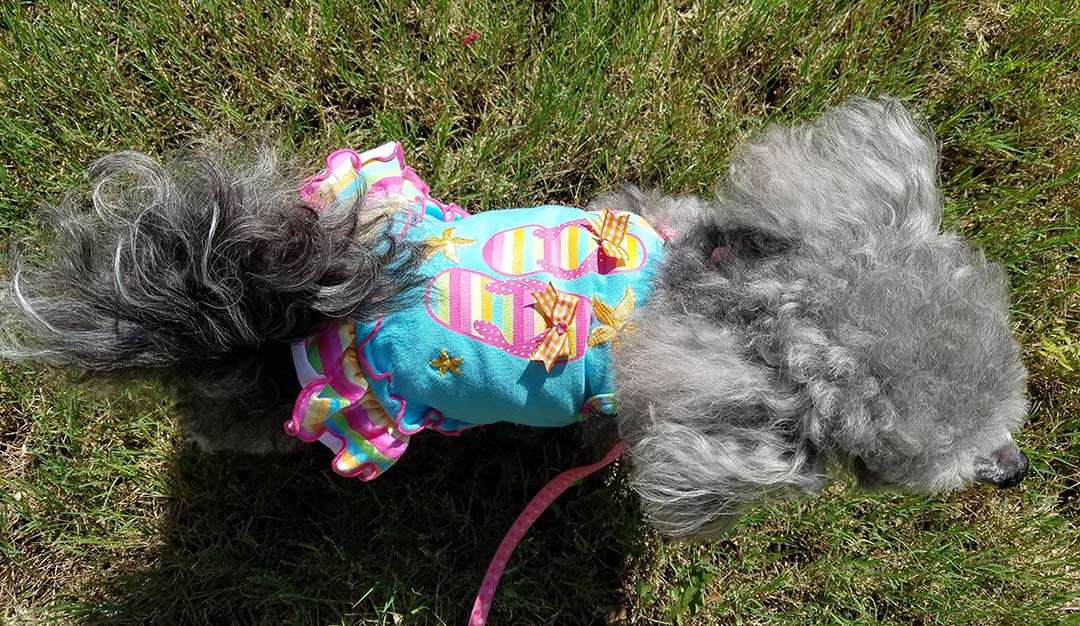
200,269
814,311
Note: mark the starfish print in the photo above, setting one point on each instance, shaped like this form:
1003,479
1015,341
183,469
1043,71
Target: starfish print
612,321
445,363
447,244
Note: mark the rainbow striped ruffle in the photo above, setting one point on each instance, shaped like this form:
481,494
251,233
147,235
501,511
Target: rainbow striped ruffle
337,408
372,175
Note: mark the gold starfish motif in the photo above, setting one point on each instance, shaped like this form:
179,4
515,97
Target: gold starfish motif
448,244
446,363
612,321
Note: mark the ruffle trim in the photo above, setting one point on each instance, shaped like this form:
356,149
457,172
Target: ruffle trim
600,404
375,174
339,404
340,407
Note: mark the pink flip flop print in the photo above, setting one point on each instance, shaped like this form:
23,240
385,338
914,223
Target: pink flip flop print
566,251
498,313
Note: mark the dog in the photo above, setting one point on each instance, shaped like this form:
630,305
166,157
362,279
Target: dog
813,311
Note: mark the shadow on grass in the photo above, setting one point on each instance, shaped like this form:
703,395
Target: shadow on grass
283,540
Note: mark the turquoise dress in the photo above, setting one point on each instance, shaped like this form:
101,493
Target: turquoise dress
481,341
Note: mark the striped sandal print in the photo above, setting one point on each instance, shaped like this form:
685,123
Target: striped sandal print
566,252
498,313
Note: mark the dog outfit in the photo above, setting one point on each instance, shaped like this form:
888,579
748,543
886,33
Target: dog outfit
514,322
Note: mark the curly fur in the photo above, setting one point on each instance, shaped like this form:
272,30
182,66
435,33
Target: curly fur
201,269
813,311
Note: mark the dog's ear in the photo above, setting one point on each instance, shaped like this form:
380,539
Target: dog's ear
709,429
864,167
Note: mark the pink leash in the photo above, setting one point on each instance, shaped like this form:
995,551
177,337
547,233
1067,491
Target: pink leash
540,502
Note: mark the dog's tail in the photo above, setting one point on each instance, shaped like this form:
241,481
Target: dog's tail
196,269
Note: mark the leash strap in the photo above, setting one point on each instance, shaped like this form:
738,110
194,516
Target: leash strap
540,502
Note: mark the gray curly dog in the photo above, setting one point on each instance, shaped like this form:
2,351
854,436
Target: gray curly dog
813,311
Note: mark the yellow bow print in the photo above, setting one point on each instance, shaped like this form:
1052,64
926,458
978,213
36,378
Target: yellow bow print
610,234
559,309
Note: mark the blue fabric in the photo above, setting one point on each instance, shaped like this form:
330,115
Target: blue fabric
493,384
459,353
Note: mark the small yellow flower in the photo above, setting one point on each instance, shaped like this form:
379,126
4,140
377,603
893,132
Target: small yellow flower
612,321
448,244
445,363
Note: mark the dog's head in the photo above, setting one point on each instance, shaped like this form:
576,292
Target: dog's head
921,383
901,348
818,312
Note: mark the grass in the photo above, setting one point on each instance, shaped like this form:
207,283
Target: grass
106,517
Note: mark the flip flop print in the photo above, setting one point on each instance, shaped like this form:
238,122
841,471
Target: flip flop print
567,251
499,313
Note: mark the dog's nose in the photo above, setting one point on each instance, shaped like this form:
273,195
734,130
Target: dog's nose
1007,468
1016,476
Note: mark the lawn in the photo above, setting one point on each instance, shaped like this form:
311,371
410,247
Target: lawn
106,516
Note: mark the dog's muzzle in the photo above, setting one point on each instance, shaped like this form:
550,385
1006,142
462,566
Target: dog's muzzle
1006,467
